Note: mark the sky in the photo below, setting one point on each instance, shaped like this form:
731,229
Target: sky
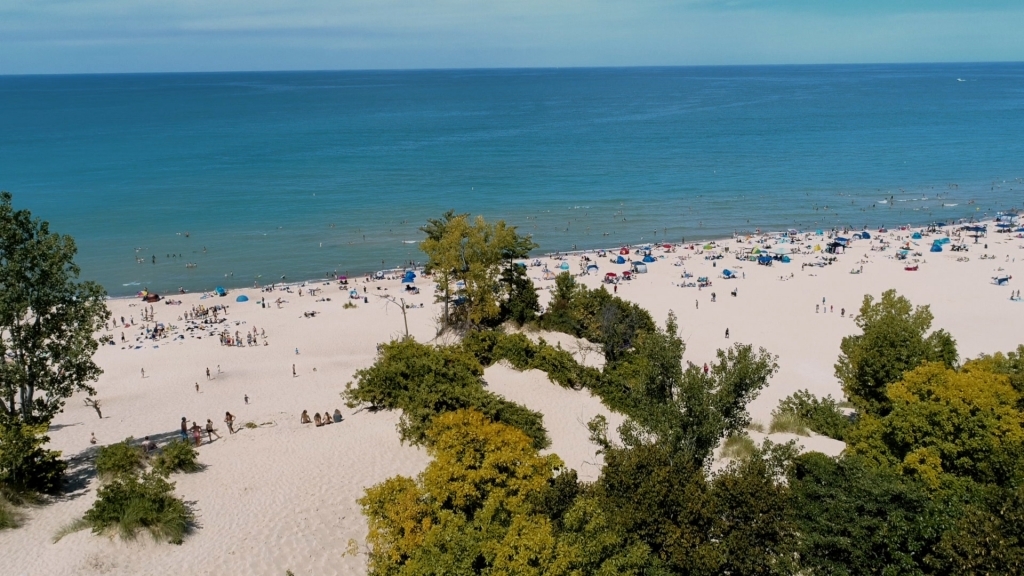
99,36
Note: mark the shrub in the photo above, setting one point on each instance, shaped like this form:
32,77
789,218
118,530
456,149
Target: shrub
787,422
516,349
425,381
819,414
738,447
348,305
119,459
481,343
129,503
756,425
251,425
25,466
177,456
8,518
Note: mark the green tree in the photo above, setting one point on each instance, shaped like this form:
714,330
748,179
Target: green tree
47,319
965,423
894,339
855,518
473,254
26,467
520,303
473,510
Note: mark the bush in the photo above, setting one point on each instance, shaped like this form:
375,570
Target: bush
177,456
25,466
516,349
425,381
130,503
119,460
819,414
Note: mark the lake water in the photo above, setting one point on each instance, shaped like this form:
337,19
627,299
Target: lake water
303,174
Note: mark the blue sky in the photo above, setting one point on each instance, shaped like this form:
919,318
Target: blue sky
79,36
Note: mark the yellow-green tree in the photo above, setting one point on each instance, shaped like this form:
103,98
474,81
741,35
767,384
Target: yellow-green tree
945,421
466,258
473,510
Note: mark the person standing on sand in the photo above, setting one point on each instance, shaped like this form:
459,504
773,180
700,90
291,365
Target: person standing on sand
726,332
207,373
197,434
197,387
246,399
184,429
143,372
211,431
229,421
293,371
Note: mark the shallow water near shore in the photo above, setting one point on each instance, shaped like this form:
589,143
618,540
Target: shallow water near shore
258,176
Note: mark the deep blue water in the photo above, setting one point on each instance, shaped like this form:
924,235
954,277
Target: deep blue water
300,174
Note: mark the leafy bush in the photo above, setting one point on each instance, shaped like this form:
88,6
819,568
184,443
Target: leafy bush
819,414
25,466
130,503
426,381
119,460
787,422
516,349
177,456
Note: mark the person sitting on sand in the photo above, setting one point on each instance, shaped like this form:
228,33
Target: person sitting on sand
337,415
148,445
92,437
327,417
304,419
317,421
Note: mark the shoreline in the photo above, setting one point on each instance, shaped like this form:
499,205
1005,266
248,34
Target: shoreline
418,266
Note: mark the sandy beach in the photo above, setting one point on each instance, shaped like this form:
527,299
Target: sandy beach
282,496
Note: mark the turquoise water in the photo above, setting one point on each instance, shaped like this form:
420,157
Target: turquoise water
302,174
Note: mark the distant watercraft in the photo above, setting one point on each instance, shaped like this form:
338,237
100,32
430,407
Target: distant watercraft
961,80
409,241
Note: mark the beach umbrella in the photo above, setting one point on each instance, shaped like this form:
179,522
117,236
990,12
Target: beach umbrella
782,249
242,298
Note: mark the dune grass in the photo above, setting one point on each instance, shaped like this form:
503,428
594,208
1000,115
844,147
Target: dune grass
8,516
128,504
738,447
788,422
756,426
119,459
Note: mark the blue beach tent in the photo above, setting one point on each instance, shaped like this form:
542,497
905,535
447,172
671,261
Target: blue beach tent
221,291
242,298
564,266
916,236
620,260
648,258
936,247
409,277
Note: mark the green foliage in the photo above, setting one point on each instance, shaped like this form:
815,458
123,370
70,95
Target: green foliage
476,253
8,517
472,510
855,518
25,466
819,414
177,456
427,381
789,423
119,459
894,340
966,423
490,346
47,319
597,316
652,371
130,503
520,304
738,447
1010,364
989,536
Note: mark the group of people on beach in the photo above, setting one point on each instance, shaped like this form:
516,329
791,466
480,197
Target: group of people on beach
318,420
196,431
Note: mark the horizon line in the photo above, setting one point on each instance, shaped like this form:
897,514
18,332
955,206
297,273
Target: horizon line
516,68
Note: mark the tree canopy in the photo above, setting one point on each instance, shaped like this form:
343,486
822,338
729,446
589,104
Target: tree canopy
894,339
47,319
467,259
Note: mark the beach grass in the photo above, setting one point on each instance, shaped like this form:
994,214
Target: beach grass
738,447
177,456
756,426
788,422
8,516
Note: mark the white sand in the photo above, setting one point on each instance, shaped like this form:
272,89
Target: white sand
282,496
